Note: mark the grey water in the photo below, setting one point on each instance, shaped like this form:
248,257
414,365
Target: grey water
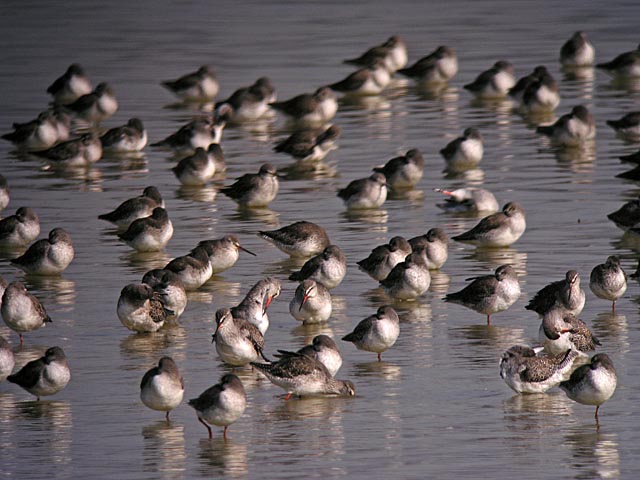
435,406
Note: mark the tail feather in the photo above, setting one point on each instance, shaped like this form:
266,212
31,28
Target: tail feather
349,337
545,130
296,276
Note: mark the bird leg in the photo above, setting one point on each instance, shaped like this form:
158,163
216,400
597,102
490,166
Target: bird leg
208,427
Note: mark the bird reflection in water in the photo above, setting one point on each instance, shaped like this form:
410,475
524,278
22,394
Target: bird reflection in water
440,282
264,215
537,412
302,170
594,454
125,166
414,197
148,347
259,129
612,328
494,257
577,159
52,422
371,105
55,289
628,84
413,312
306,332
578,81
441,92
219,458
535,119
202,194
164,452
200,296
216,287
142,262
88,179
374,216
382,369
284,266
481,345
501,107
473,176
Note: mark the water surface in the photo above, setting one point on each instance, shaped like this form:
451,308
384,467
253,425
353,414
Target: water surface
435,407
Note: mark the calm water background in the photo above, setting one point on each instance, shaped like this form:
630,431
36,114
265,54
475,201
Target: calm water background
436,406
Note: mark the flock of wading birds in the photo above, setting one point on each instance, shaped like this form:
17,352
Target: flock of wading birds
401,266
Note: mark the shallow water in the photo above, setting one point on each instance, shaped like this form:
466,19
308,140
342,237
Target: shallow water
436,405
